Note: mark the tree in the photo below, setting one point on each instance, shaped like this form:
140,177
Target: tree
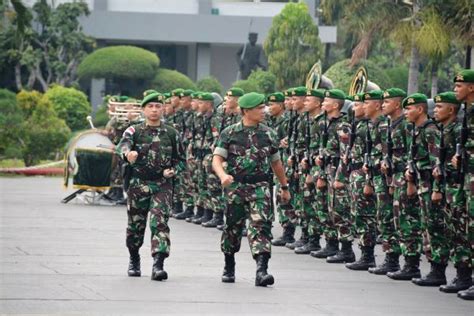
246,85
10,117
265,80
209,84
166,80
50,49
293,39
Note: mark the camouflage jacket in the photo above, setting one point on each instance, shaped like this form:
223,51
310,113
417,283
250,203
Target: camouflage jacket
158,148
400,135
208,133
451,136
249,151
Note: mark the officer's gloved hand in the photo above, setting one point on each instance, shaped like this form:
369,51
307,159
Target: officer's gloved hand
168,173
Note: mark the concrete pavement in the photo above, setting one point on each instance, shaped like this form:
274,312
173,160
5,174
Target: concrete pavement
71,260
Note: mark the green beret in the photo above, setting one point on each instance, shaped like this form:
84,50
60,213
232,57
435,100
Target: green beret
319,93
288,92
187,93
205,96
150,91
167,101
373,95
235,92
446,97
359,97
251,100
177,92
466,75
335,94
195,95
276,97
415,98
299,92
167,95
153,97
394,93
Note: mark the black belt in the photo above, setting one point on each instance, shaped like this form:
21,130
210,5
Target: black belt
152,176
252,179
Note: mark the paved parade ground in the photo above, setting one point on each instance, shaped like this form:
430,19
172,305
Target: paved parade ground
71,259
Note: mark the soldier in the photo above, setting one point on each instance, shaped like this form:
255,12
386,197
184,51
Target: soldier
155,153
463,161
279,122
249,148
393,167
227,114
329,159
310,202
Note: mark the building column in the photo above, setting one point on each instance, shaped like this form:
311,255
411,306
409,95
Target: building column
97,93
203,60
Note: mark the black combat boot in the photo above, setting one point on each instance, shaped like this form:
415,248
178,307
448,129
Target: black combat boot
436,276
300,242
220,227
188,212
263,278
217,219
288,236
461,282
390,264
177,208
208,213
345,255
245,232
366,261
197,218
157,272
467,294
410,270
331,248
311,245
134,263
228,276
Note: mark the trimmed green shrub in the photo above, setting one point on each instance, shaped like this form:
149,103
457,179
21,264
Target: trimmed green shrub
266,81
209,84
166,80
10,117
341,75
247,85
119,62
70,105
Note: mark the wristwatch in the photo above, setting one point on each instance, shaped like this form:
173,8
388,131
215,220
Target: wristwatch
284,187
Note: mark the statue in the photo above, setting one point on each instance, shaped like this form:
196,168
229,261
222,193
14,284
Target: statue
248,57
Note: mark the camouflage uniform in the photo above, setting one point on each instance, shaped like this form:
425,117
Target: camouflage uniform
158,148
248,152
115,129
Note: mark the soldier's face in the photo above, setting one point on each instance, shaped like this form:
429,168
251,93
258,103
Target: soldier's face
371,107
358,108
275,108
288,104
231,102
298,103
153,111
311,103
330,105
185,102
389,105
462,90
443,111
412,112
257,114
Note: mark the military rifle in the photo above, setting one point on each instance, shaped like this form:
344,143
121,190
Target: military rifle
352,138
442,156
389,156
367,156
308,143
411,161
323,143
461,150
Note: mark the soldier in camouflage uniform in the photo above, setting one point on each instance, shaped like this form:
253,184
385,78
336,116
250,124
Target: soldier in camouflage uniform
393,169
155,153
464,90
329,159
422,160
310,201
296,145
227,114
250,149
279,122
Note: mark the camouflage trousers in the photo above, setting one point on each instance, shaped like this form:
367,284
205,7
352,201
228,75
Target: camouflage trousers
149,197
408,210
340,210
363,210
457,221
214,198
116,177
309,206
435,231
470,207
199,179
189,186
248,201
323,216
385,216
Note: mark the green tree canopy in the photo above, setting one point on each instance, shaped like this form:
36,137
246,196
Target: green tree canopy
292,45
341,74
209,84
10,117
166,80
119,62
247,85
71,105
265,80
